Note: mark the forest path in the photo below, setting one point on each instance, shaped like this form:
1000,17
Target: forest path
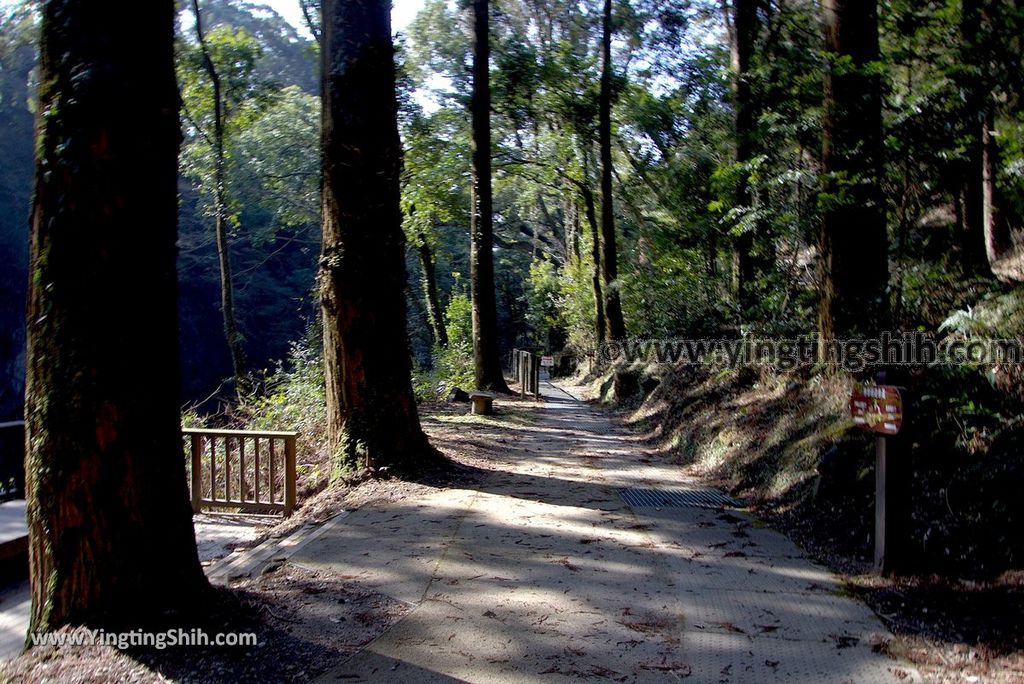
540,571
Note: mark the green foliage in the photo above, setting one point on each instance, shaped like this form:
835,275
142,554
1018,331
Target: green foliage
294,399
458,318
277,168
245,98
544,312
453,365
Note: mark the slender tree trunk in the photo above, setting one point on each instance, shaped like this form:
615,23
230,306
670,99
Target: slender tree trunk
227,287
745,28
997,239
486,354
571,214
854,243
372,419
595,250
110,531
609,262
971,200
434,312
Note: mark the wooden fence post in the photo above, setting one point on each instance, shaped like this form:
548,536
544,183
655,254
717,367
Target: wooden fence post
289,475
522,375
536,377
197,471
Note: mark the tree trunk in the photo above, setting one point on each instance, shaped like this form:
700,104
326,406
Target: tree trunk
434,313
110,532
372,419
854,243
571,213
996,232
609,262
595,251
227,287
744,33
486,355
971,202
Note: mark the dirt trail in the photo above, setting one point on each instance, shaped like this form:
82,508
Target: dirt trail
539,570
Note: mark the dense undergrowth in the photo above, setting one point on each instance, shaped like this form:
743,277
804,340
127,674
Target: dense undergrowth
785,442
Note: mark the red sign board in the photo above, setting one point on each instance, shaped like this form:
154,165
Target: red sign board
878,408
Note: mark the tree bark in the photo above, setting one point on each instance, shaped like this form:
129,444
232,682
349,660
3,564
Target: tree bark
595,250
971,201
434,312
110,533
227,287
486,354
609,263
995,229
372,418
854,243
745,29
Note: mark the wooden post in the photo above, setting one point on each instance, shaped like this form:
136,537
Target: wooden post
256,467
892,494
213,468
881,522
241,469
197,471
227,468
536,377
270,442
289,475
522,375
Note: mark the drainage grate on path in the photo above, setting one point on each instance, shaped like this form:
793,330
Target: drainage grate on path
677,498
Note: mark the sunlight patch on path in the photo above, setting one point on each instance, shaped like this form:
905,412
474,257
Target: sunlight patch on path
540,572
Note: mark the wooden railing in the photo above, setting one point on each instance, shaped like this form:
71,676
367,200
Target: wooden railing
526,371
246,470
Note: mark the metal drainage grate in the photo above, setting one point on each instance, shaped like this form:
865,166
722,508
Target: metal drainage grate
677,498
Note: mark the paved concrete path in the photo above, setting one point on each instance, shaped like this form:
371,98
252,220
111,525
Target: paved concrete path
540,572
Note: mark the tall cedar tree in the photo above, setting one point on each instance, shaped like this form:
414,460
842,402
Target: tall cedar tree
110,530
220,208
743,37
970,200
371,411
854,242
609,261
595,251
486,356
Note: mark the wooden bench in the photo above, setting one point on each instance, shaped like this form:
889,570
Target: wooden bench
483,403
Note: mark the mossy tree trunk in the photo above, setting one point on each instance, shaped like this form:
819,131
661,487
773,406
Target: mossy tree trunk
372,418
110,530
434,311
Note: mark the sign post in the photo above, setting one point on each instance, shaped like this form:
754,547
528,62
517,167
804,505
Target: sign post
879,409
